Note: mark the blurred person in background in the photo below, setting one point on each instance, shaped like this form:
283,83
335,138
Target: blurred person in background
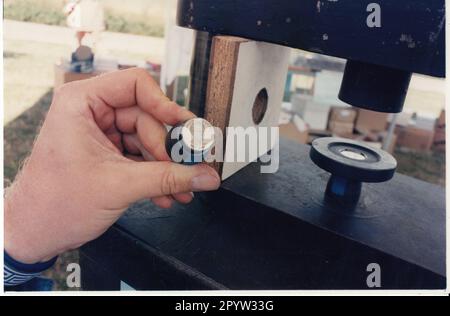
85,17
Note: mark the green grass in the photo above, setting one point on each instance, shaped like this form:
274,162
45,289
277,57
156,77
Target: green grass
39,12
133,24
426,166
136,17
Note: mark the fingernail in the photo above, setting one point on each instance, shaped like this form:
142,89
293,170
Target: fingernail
205,182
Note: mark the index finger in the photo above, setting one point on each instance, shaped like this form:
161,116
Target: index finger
135,86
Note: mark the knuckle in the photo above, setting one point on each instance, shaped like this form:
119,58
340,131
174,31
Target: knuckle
169,183
141,72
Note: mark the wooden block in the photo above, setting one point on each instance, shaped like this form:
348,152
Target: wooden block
244,73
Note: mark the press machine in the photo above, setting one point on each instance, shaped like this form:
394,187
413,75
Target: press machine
297,228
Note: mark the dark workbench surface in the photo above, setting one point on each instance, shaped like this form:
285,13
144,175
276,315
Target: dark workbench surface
267,231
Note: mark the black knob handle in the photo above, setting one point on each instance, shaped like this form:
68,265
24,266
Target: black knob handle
350,163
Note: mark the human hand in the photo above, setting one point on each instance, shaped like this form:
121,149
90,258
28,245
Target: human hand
89,163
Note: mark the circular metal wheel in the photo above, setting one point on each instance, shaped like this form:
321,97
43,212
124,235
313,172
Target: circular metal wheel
352,159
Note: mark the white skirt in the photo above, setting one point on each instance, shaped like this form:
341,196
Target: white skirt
87,16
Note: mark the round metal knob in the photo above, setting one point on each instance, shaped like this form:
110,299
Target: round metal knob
190,142
350,163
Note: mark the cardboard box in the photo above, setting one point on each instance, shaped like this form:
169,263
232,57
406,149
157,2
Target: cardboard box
440,122
439,139
371,121
404,118
343,114
342,120
414,138
291,132
340,128
299,103
63,75
326,87
295,130
314,134
424,121
439,133
285,117
316,115
374,140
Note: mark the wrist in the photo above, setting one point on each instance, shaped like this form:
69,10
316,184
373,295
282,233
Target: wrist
19,241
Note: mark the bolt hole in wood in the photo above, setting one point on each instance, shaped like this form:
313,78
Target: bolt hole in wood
260,106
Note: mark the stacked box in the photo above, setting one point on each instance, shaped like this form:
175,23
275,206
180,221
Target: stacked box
342,121
371,121
414,138
295,130
439,133
315,114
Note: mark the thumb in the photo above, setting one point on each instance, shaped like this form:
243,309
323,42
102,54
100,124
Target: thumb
158,178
